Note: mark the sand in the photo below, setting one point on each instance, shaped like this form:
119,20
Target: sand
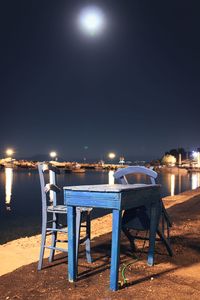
24,251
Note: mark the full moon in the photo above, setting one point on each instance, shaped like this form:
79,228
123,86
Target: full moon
91,20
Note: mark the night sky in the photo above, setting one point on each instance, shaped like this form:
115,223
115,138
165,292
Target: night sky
134,89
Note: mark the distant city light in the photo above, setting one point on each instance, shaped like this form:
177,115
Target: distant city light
53,154
91,20
121,160
111,155
9,152
194,154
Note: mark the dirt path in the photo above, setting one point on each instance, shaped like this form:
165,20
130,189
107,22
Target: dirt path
177,277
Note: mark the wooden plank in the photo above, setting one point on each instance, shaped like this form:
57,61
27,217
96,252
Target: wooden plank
71,220
154,219
136,198
121,173
115,251
102,188
92,199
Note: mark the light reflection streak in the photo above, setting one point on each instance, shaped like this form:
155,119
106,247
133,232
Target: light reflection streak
179,183
195,180
172,184
8,186
111,179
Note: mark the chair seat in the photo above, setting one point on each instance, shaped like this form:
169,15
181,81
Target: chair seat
84,208
63,208
57,208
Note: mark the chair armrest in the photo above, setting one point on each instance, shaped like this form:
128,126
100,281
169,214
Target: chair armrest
52,187
50,167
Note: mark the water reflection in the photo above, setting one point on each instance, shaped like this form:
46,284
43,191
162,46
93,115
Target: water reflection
15,187
8,186
172,184
195,180
111,179
179,183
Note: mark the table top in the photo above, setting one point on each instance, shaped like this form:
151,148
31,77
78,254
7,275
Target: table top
109,188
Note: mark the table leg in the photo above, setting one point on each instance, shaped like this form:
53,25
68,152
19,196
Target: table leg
115,251
154,220
71,223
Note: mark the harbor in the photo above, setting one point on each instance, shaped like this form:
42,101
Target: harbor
100,150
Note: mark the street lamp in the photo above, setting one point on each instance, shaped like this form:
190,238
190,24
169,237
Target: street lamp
53,155
196,155
111,155
91,20
9,152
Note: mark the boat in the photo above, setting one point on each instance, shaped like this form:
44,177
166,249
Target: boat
67,169
77,168
172,170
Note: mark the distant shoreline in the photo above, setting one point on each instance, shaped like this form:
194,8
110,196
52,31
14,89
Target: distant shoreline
24,164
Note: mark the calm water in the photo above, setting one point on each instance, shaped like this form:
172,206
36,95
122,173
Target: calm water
20,202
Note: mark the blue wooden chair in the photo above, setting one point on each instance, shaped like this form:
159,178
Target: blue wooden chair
54,224
139,219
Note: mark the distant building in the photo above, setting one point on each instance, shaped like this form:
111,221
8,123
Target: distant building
121,160
169,160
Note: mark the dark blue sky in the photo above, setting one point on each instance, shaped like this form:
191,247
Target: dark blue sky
133,90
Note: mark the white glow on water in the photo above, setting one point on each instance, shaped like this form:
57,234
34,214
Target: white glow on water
111,179
8,186
172,184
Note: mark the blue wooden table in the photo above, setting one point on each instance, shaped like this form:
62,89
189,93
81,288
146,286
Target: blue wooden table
116,197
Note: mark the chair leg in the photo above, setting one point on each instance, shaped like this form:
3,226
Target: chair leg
166,242
87,242
154,221
43,241
162,223
78,229
130,238
53,237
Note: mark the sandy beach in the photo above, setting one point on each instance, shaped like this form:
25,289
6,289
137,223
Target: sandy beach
24,251
184,266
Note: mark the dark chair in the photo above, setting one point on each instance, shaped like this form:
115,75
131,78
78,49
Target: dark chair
52,213
139,218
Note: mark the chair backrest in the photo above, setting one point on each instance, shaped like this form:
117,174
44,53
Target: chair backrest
120,174
49,187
